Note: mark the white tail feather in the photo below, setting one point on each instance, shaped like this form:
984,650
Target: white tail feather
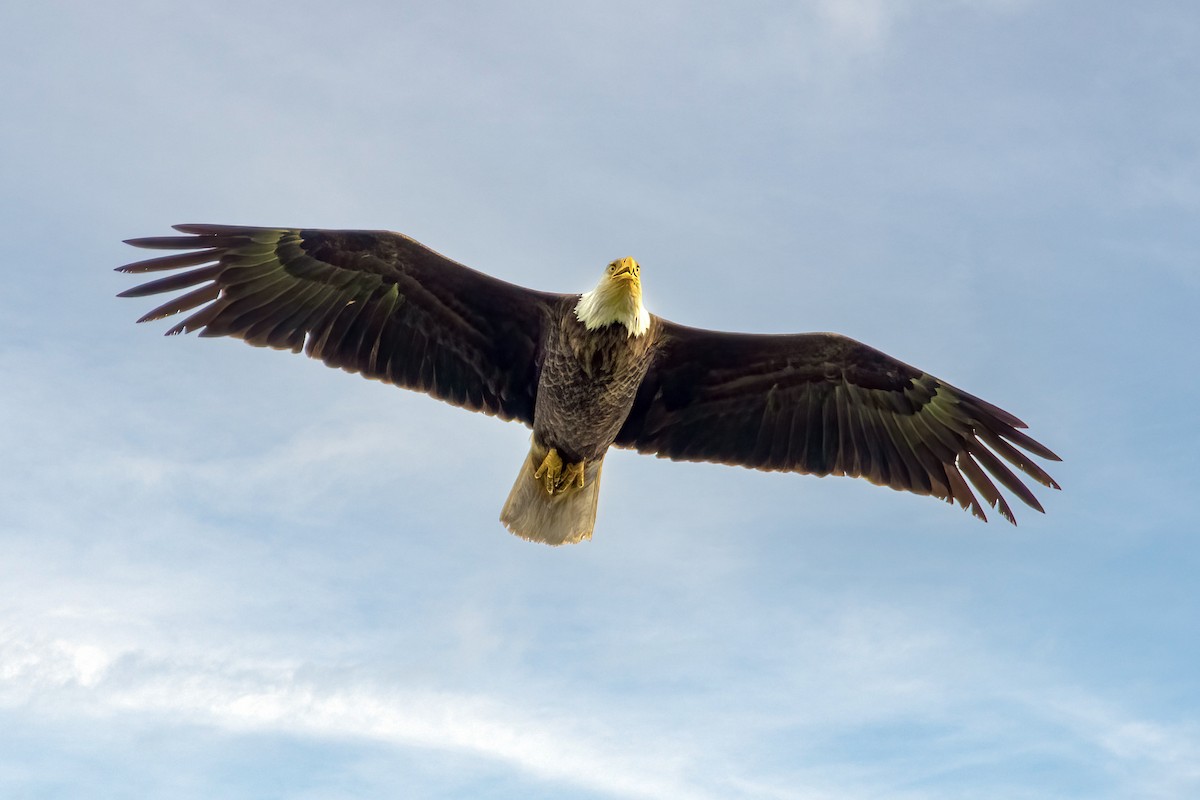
566,518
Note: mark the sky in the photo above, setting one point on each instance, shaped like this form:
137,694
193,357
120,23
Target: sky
231,572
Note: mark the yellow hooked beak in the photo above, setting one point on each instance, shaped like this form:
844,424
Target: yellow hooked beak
624,269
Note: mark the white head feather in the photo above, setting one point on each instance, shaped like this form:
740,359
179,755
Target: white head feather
617,298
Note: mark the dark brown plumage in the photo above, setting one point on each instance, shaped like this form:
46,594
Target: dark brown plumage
372,302
381,304
825,404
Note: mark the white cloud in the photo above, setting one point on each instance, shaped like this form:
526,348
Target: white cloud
1152,759
857,675
92,681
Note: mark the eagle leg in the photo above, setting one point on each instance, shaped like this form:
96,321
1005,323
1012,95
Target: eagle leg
573,477
557,478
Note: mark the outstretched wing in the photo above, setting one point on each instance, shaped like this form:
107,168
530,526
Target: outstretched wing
825,404
372,302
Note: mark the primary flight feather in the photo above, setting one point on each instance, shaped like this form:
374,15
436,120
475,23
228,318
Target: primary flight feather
589,371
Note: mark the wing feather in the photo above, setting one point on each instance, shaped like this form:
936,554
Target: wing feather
372,302
882,451
185,302
176,261
1016,457
825,404
983,484
929,465
172,283
961,490
913,476
987,459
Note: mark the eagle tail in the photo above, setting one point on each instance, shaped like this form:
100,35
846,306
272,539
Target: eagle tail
533,514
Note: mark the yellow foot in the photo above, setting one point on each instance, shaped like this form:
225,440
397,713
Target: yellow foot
572,477
556,479
550,471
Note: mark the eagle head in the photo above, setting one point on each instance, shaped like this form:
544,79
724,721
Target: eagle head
617,299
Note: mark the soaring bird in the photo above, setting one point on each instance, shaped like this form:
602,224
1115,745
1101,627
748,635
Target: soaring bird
588,371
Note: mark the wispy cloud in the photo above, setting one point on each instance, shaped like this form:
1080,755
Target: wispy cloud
1152,759
865,676
58,674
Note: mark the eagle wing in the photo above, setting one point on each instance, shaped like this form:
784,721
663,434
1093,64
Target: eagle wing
372,302
825,404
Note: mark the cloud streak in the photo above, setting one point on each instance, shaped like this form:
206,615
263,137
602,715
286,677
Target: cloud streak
855,678
92,681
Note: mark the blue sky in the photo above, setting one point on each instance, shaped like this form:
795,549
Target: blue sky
229,572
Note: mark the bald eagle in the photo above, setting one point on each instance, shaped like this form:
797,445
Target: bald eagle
587,371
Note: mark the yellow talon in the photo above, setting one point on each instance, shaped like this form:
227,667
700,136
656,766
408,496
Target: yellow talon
573,477
554,478
550,471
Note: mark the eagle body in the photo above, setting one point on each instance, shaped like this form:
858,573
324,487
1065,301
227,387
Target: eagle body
594,357
587,384
592,370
